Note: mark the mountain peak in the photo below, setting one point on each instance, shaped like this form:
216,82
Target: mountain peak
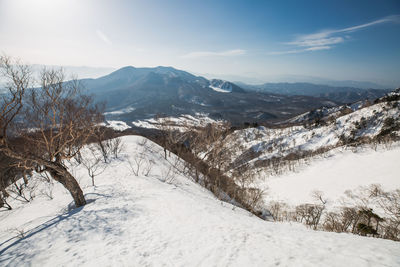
165,68
223,86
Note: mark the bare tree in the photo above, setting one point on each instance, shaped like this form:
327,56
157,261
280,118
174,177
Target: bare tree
147,167
166,133
22,191
9,173
100,134
45,126
278,210
3,199
116,146
93,165
137,163
105,141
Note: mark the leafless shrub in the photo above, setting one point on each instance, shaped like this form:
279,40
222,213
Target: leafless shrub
102,138
136,164
17,232
343,221
116,146
168,175
106,142
389,202
93,164
22,191
175,167
279,210
44,176
148,167
245,193
3,200
309,214
251,198
47,191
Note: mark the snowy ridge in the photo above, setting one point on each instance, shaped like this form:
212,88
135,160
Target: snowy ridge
121,111
117,125
180,123
279,142
221,86
146,221
327,112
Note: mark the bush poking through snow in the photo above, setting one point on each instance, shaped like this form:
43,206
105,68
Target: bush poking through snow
367,211
17,232
93,164
22,191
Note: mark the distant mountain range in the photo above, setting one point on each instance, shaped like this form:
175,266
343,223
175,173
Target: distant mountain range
141,93
257,78
333,93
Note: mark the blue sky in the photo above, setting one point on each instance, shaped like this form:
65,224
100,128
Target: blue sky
356,40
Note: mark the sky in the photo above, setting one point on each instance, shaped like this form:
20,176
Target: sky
260,40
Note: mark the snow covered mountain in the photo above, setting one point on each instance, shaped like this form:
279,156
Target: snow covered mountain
319,130
342,94
224,86
164,218
142,93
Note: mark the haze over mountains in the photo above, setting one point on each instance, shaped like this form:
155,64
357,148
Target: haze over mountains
140,93
337,94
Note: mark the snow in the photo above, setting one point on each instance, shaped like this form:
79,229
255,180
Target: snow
221,90
146,221
279,142
117,125
180,123
343,170
121,111
221,86
333,172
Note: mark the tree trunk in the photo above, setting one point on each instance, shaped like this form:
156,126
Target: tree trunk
25,178
68,181
103,151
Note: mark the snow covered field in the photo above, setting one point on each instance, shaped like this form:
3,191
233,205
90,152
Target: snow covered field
146,221
342,170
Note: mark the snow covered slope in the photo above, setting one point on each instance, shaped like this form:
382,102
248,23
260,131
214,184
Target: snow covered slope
221,86
181,123
147,221
261,143
342,170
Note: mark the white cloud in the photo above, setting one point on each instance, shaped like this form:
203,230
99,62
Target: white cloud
324,40
316,48
227,53
103,37
296,51
317,42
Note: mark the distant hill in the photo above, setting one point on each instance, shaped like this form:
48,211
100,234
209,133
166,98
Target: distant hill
337,94
141,93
